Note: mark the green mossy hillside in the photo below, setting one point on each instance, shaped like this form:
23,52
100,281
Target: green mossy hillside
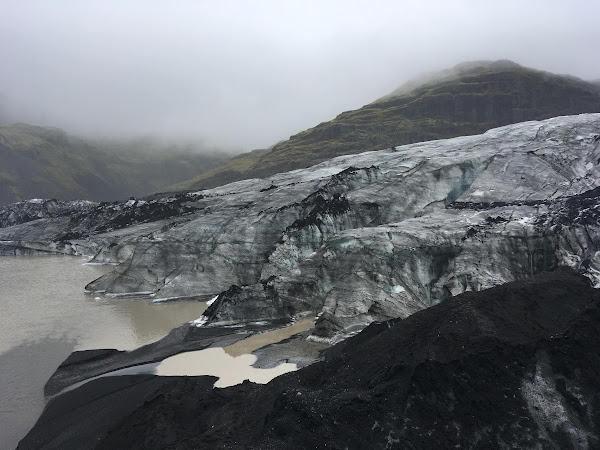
467,99
40,162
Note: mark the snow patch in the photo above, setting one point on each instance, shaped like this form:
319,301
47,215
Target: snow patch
322,340
171,299
200,321
525,221
344,243
212,300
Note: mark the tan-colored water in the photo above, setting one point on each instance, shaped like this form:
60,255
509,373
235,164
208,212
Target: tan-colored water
45,315
255,342
233,364
42,298
216,362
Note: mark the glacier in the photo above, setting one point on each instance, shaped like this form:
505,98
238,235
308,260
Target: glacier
356,239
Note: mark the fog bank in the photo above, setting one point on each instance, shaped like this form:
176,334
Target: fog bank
245,75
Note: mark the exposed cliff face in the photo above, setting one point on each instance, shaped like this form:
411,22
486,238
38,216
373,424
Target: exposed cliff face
515,366
467,99
373,274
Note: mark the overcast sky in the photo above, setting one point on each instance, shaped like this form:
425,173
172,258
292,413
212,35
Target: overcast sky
246,74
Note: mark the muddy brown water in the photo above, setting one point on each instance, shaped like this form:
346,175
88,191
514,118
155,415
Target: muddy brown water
233,364
45,315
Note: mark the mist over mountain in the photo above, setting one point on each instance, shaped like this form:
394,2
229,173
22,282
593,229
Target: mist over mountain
246,75
43,162
466,99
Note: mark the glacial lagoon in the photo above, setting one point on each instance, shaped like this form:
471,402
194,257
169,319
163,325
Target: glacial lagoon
46,315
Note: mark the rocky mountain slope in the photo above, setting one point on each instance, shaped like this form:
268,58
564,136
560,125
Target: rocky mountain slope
467,99
515,366
46,162
356,239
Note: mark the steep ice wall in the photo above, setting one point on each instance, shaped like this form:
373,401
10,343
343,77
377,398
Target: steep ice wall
255,229
521,214
372,274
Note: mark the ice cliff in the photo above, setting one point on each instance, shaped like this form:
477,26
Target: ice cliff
358,238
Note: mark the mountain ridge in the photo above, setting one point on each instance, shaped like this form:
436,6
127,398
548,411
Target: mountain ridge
47,162
472,98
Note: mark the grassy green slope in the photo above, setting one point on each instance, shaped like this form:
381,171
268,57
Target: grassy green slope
48,163
228,172
468,99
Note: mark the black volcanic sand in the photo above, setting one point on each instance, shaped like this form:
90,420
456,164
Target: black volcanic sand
509,367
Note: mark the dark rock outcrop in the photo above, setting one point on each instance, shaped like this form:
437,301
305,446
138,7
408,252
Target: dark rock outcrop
515,366
70,226
23,212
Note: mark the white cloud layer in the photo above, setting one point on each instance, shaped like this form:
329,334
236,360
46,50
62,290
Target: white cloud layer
246,74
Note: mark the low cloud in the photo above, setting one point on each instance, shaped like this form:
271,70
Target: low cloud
245,75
